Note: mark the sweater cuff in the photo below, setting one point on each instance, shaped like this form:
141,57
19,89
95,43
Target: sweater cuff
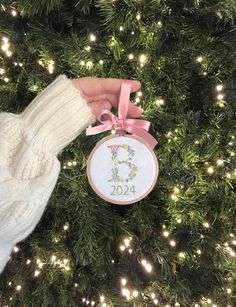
56,116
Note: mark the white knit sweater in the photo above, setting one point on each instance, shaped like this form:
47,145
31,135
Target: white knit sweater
29,168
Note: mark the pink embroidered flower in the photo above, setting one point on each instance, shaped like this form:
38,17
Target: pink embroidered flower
114,148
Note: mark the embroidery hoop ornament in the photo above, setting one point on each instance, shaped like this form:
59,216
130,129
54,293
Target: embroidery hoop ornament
140,139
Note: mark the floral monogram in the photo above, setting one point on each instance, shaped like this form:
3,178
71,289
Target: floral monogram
115,163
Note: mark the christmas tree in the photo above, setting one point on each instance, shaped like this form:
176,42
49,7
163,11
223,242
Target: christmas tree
177,246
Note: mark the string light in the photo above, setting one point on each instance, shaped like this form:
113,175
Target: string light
125,292
210,170
14,13
147,266
123,281
18,288
130,56
66,226
199,252
36,273
142,58
2,71
206,225
135,293
220,96
102,298
15,249
28,261
159,102
219,87
87,48
181,255
166,233
155,301
92,38
199,59
220,162
82,63
172,243
101,62
138,17
121,28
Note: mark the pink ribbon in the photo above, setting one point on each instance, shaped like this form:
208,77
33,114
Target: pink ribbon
109,121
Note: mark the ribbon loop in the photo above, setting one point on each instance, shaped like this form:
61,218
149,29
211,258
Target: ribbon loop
121,124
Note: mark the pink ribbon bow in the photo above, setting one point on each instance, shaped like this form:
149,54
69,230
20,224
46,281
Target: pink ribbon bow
109,121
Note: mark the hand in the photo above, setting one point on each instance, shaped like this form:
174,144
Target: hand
103,93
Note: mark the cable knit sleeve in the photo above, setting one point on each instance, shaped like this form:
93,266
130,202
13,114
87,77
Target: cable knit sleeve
29,168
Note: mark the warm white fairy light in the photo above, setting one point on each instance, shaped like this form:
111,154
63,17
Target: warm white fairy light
179,220
125,292
138,16
229,291
28,261
176,190
220,162
127,242
89,64
13,12
36,273
137,100
9,283
153,295
166,233
204,73
210,170
123,281
69,163
230,251
82,63
206,225
234,242
199,59
155,301
102,298
199,252
228,175
219,87
66,227
159,102
142,58
172,243
209,301
181,255
130,56
121,28
9,53
92,303
159,23
132,32
92,37
18,287
130,250
101,62
135,293
16,249
2,71
196,142
87,48
220,96
147,266
174,197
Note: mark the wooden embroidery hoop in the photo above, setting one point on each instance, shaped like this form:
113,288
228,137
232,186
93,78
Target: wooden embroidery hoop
105,197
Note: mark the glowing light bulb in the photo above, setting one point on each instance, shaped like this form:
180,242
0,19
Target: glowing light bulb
153,295
199,251
159,102
123,281
125,292
121,28
28,261
159,23
229,290
155,301
174,197
142,58
210,170
87,48
199,59
102,298
36,273
206,224
126,242
144,262
219,87
166,233
2,71
14,12
220,96
220,162
181,255
148,267
101,62
92,38
82,63
15,249
18,288
176,190
9,53
172,243
135,293
66,227
130,56
138,16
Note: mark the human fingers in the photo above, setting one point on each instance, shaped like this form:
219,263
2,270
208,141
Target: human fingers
133,110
